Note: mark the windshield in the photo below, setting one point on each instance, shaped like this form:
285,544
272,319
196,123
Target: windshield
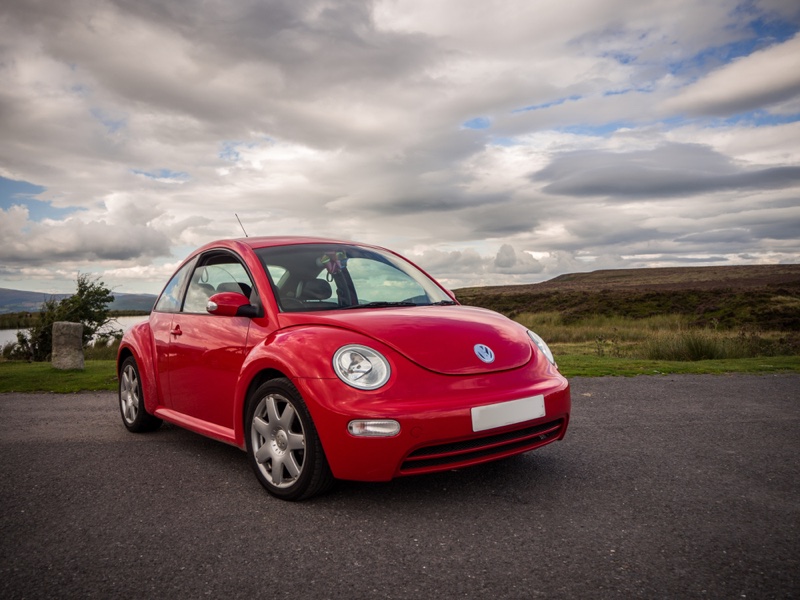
341,276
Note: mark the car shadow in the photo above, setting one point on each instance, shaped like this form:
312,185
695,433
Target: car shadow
525,478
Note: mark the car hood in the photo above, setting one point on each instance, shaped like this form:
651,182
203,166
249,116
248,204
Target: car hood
438,338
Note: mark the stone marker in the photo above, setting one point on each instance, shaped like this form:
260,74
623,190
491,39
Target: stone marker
67,345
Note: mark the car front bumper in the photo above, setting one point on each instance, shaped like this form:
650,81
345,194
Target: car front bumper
436,424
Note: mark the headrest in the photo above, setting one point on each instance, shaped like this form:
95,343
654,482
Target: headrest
315,289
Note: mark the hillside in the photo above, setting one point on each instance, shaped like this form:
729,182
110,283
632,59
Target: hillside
12,301
764,296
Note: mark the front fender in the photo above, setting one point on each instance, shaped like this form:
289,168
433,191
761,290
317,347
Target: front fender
298,353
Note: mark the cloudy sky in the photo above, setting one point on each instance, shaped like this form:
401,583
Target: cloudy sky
492,142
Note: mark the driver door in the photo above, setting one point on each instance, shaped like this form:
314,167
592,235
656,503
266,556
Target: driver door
207,351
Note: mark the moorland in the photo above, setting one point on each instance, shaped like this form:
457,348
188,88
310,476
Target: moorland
672,314
765,297
608,322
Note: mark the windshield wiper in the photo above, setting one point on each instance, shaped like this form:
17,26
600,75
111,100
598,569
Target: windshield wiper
443,303
381,304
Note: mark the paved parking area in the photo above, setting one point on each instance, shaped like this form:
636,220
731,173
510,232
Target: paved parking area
665,487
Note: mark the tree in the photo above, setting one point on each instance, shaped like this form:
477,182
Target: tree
89,306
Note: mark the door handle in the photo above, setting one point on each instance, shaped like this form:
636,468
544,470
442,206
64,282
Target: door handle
176,330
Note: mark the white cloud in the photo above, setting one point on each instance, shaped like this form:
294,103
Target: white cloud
761,80
152,122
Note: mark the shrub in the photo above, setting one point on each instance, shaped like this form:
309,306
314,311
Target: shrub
704,344
89,306
103,350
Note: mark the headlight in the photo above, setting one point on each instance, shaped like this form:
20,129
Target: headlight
542,346
361,367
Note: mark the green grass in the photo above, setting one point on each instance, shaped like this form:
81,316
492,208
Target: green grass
18,376
581,365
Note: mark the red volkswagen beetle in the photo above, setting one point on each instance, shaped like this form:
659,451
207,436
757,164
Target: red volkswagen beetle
326,359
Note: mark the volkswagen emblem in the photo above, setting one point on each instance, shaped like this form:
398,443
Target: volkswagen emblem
485,353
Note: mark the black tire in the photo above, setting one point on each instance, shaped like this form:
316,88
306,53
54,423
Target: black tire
282,443
131,400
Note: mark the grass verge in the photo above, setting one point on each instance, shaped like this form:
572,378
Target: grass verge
16,376
99,375
582,365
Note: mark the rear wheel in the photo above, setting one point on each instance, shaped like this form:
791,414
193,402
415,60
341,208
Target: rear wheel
282,443
131,400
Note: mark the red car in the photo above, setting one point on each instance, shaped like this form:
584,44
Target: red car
326,359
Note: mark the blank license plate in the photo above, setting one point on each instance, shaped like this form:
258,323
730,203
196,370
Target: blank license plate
507,413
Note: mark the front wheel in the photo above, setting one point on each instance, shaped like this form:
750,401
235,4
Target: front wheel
282,443
131,400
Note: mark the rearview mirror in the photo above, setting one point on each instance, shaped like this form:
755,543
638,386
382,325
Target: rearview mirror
231,304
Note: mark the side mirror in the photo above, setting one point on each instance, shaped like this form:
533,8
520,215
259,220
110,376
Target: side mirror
231,304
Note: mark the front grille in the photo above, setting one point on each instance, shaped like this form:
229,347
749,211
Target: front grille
454,454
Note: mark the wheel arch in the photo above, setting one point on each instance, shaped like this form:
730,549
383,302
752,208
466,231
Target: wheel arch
261,377
134,345
299,354
258,378
124,353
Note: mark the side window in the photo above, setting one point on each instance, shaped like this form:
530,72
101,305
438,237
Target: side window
170,299
217,274
199,292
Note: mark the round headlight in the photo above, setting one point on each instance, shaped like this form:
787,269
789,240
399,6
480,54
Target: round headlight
542,346
361,367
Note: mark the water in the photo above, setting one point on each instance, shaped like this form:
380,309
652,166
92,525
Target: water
124,323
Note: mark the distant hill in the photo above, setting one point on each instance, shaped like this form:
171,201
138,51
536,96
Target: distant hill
667,278
12,301
140,302
763,296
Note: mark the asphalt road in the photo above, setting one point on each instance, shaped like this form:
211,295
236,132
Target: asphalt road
665,487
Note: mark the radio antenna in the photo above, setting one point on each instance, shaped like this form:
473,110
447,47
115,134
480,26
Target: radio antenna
240,224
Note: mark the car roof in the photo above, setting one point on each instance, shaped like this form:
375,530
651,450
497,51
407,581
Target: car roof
267,241
273,241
